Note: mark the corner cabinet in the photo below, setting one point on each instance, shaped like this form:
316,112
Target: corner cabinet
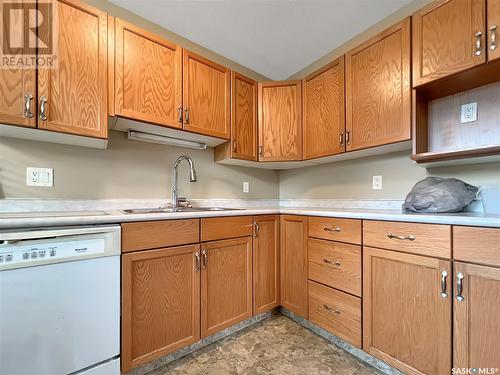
280,121
378,89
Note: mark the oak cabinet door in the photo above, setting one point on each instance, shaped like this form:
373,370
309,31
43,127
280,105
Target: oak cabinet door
448,37
406,318
476,320
280,121
324,114
493,31
148,77
378,90
206,96
293,264
73,97
160,303
243,117
226,284
266,252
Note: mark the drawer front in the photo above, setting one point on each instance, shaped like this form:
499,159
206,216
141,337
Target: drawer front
423,239
335,311
477,245
343,230
219,228
158,234
335,264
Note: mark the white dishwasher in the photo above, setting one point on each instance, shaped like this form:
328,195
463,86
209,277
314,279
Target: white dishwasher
60,301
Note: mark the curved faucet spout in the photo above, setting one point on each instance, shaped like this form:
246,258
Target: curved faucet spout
192,176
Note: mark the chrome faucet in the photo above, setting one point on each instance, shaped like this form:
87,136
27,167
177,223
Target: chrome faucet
192,177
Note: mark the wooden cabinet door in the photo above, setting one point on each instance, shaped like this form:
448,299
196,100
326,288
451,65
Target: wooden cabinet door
476,320
76,92
293,264
226,284
378,89
493,31
148,77
445,37
266,267
243,117
406,320
324,114
160,303
280,121
206,96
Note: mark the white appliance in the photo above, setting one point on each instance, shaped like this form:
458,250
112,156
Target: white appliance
60,301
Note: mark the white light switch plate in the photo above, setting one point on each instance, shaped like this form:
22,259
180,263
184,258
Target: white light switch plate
246,186
377,182
468,112
39,177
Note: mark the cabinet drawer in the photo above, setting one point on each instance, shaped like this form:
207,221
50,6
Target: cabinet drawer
156,234
335,264
477,245
219,228
424,239
344,230
337,312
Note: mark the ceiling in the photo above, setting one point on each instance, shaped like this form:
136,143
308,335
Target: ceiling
275,38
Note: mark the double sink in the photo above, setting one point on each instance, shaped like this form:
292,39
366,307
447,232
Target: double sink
161,210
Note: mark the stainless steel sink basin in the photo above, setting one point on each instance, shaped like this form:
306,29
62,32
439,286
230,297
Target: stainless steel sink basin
161,210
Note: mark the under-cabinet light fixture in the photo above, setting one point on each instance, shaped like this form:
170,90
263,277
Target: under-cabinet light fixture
165,140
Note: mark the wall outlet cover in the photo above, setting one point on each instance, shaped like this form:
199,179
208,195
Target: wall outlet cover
377,182
468,112
246,186
39,177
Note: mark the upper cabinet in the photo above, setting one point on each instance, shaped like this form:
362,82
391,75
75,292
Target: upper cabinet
324,113
148,77
206,96
280,121
448,37
378,90
493,29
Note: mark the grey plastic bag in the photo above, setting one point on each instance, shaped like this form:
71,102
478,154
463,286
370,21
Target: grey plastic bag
436,194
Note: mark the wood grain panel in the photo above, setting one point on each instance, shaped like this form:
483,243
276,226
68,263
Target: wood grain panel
406,321
226,287
111,65
476,328
155,234
160,303
335,264
493,26
444,40
280,121
76,91
324,111
329,228
266,266
243,117
429,239
206,95
293,264
337,312
219,228
477,245
378,89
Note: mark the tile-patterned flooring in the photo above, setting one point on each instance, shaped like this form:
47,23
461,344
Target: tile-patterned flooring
276,345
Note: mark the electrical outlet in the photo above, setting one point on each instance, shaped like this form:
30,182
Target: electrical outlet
39,177
377,182
246,186
468,112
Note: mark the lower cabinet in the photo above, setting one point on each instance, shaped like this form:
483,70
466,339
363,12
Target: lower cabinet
226,283
266,266
160,303
407,319
477,323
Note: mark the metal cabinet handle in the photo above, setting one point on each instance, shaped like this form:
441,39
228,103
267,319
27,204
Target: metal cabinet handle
186,116
478,51
257,228
444,293
341,138
235,146
27,106
197,262
327,229
334,263
411,237
460,278
261,150
179,114
348,137
493,40
205,259
43,108
331,309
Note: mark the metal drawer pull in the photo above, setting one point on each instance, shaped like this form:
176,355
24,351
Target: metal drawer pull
331,309
197,262
411,237
493,45
335,263
179,114
43,102
460,278
186,117
444,275
261,150
348,137
256,229
478,51
331,229
205,259
234,145
27,106
342,138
